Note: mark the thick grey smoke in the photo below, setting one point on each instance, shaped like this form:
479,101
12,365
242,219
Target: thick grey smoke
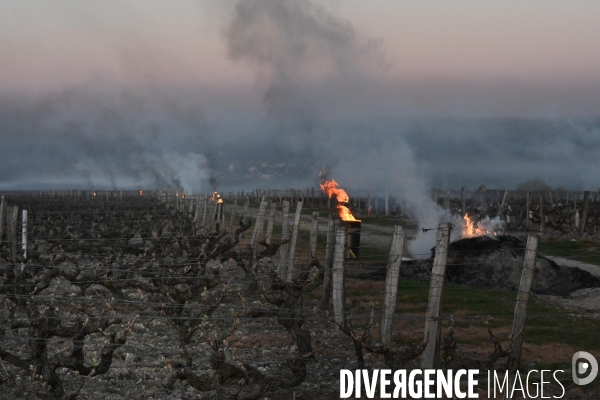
104,138
294,43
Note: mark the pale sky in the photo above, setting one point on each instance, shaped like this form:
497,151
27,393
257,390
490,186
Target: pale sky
47,44
231,72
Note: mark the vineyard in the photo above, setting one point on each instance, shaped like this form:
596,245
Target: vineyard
156,294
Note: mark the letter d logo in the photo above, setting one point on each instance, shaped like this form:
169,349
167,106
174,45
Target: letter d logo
589,365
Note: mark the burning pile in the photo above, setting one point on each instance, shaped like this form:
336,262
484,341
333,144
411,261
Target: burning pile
331,188
485,227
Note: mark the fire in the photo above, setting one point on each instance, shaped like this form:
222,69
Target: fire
331,188
216,197
141,193
471,230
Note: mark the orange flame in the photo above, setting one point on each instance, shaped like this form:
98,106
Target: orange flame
216,197
331,188
470,230
141,193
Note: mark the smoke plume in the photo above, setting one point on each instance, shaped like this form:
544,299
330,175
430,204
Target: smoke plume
109,138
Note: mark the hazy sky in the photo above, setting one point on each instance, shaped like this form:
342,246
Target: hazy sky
125,93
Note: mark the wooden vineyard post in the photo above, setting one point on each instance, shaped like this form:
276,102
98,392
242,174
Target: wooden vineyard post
329,249
258,224
246,205
387,203
24,233
338,277
232,216
586,202
295,227
9,232
270,223
502,205
314,231
520,318
13,233
462,201
285,235
197,215
433,326
528,207
222,226
391,285
2,219
447,199
542,217
204,211
434,196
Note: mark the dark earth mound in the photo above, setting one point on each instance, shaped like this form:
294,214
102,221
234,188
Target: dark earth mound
498,262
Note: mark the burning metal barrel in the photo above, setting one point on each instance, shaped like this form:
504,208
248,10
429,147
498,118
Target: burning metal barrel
352,238
347,220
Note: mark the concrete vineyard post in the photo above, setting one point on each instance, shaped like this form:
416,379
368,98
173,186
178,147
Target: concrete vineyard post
462,201
433,326
329,249
285,235
391,285
520,318
586,201
434,196
339,301
295,227
314,231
